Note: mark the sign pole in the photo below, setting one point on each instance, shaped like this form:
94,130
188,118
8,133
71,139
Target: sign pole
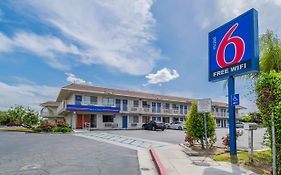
273,146
232,127
206,134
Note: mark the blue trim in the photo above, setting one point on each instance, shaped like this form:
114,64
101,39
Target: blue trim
88,108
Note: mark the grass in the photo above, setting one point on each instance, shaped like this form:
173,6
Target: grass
14,129
261,160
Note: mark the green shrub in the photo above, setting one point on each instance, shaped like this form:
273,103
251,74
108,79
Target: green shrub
63,129
46,126
247,118
19,115
4,119
195,127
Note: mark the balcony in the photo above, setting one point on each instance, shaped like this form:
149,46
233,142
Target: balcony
61,108
146,110
135,109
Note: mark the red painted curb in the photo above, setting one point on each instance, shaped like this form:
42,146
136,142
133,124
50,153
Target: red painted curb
160,168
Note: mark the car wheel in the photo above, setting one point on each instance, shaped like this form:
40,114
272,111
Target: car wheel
162,129
143,127
180,128
153,128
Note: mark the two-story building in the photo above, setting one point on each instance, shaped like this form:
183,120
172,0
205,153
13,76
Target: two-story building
87,106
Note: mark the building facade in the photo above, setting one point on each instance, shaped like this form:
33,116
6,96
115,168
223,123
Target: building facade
86,106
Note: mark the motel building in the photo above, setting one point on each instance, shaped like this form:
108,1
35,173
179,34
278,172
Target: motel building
91,107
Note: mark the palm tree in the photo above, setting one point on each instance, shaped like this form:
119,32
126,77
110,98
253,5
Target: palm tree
270,50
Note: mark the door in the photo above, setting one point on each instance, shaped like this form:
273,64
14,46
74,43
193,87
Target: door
86,120
93,121
79,121
124,122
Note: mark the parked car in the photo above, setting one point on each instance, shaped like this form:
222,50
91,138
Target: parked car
153,125
177,125
239,125
167,125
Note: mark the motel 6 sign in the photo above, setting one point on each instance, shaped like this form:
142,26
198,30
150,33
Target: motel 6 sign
233,47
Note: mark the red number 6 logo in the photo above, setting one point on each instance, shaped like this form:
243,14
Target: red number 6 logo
238,44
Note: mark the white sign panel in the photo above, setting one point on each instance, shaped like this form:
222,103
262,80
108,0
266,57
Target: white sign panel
204,105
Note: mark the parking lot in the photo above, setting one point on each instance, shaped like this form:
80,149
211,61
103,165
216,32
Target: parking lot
63,154
177,136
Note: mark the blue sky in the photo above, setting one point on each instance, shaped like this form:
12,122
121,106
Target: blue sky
143,45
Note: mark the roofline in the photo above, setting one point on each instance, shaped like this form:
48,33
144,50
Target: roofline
188,100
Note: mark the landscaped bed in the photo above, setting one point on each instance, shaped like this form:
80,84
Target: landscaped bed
261,161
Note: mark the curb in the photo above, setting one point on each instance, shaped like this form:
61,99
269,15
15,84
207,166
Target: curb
159,166
26,131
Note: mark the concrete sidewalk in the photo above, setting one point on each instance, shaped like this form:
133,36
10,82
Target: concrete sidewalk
177,162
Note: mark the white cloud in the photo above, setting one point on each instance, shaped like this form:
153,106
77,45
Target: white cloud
47,47
25,94
115,33
73,79
269,12
161,76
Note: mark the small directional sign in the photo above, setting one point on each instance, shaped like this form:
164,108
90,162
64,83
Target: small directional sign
235,99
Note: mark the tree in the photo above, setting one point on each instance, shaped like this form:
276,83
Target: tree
247,118
4,119
22,116
270,49
195,126
268,90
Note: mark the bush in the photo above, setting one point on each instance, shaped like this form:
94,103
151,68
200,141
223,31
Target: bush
63,129
46,126
4,119
195,127
268,90
247,118
18,116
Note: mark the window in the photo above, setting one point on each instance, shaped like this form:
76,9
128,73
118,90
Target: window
166,106
90,100
135,103
125,103
145,119
107,118
108,101
185,109
181,119
153,104
78,99
157,119
133,119
145,104
181,109
158,107
175,107
94,100
118,103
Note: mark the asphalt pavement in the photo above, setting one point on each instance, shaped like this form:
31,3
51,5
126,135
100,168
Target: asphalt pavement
28,154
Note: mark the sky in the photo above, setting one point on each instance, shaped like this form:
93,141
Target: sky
143,45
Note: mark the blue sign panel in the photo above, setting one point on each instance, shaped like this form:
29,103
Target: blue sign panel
235,99
86,108
234,47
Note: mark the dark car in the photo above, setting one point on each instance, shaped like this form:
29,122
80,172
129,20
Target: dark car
153,125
